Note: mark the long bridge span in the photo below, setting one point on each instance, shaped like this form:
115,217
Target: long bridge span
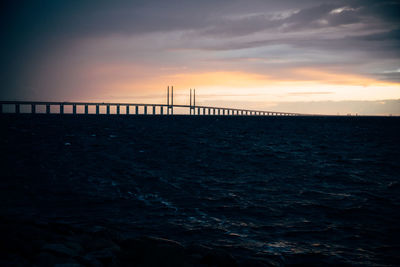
132,108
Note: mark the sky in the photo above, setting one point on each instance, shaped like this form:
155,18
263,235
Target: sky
330,57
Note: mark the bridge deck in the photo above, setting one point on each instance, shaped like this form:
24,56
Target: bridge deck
193,110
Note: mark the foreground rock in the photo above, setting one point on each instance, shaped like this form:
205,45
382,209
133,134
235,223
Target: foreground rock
27,243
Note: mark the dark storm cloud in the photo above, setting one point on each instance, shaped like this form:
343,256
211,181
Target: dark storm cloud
390,76
221,18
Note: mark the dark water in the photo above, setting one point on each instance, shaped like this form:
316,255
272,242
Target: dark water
305,189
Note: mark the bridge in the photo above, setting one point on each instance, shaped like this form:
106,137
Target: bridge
133,108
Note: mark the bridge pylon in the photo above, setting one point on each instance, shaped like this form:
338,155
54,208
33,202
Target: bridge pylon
192,102
170,106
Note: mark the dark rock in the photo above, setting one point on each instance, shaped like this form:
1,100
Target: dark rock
150,251
75,246
90,261
95,244
260,262
67,265
217,257
12,260
60,249
105,256
45,259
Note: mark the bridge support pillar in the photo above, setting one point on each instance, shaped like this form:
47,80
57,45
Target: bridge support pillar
154,110
47,109
145,110
97,109
33,108
17,109
74,108
108,109
117,109
127,110
61,109
161,110
136,110
86,109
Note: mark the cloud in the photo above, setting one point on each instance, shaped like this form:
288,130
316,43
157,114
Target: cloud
310,93
379,107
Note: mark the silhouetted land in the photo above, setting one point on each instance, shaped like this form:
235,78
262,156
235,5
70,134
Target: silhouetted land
199,191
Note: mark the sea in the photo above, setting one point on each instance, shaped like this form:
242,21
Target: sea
312,190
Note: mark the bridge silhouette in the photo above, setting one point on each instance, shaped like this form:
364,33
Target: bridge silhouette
137,108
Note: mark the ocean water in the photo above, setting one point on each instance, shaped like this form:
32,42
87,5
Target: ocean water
297,189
